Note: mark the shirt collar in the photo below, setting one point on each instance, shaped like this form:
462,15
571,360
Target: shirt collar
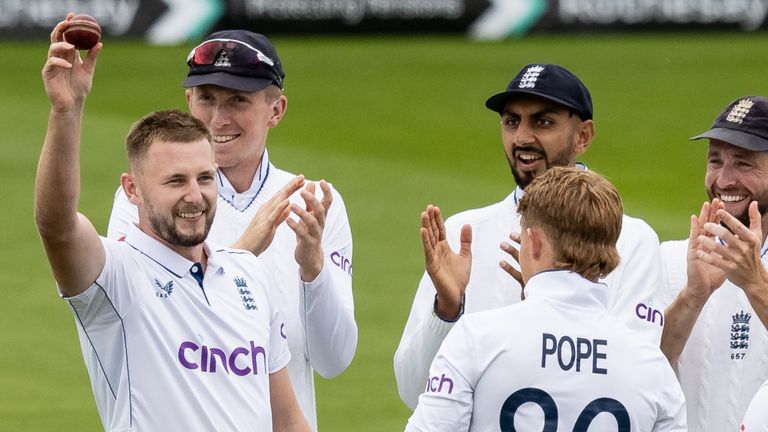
565,286
161,253
241,201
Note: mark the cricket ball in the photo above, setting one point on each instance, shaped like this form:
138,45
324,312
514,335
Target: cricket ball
83,32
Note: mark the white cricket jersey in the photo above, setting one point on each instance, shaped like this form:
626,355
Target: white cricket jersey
725,359
632,295
756,417
552,363
170,349
319,316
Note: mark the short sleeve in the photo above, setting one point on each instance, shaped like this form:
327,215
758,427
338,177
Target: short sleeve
278,342
447,401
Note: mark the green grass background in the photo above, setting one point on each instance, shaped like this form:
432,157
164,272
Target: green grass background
395,123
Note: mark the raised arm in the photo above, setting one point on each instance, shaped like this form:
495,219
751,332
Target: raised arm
261,231
324,254
436,306
71,242
703,280
739,258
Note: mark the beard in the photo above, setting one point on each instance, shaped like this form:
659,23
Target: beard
743,215
524,178
165,227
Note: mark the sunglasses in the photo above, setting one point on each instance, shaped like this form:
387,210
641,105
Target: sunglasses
227,52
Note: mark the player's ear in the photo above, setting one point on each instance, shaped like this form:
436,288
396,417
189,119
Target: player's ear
130,187
535,242
584,137
188,95
278,108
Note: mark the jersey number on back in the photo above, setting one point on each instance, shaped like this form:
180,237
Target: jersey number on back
548,405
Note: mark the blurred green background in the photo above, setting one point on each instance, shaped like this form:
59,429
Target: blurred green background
395,123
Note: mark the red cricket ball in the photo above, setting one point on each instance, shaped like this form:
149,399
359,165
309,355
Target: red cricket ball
83,32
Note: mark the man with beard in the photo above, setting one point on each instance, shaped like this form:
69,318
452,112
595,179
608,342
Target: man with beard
546,121
235,86
715,334
177,333
501,369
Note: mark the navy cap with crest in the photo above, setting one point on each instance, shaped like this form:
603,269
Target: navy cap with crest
743,123
548,81
235,59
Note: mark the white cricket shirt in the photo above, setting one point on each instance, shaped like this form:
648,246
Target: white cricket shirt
633,287
170,350
319,316
725,359
558,361
756,417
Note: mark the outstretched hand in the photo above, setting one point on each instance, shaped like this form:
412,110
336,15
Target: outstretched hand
448,270
261,231
66,77
309,230
703,277
737,256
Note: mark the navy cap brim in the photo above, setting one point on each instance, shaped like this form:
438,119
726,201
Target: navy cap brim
499,101
738,138
227,80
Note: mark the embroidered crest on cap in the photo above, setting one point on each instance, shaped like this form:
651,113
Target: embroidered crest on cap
222,60
528,79
739,111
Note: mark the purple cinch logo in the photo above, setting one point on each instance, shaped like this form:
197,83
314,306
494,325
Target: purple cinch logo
241,361
342,262
435,384
649,314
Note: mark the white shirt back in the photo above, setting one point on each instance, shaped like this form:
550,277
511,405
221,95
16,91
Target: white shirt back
558,361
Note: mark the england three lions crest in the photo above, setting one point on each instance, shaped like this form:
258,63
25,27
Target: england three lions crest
245,294
740,334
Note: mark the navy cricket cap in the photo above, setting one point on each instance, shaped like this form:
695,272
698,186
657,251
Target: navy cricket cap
548,81
235,59
743,123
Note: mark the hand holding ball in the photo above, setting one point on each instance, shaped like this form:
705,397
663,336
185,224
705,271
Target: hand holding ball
83,32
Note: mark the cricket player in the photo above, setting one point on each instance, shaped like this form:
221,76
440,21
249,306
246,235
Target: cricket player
235,86
559,360
715,334
177,333
546,120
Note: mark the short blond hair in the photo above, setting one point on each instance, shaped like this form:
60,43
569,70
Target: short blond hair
272,92
170,125
581,213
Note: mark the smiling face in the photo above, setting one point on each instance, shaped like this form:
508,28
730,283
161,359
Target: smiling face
239,122
175,191
539,134
737,176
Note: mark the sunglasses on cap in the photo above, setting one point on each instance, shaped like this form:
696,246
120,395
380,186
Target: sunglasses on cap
226,52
